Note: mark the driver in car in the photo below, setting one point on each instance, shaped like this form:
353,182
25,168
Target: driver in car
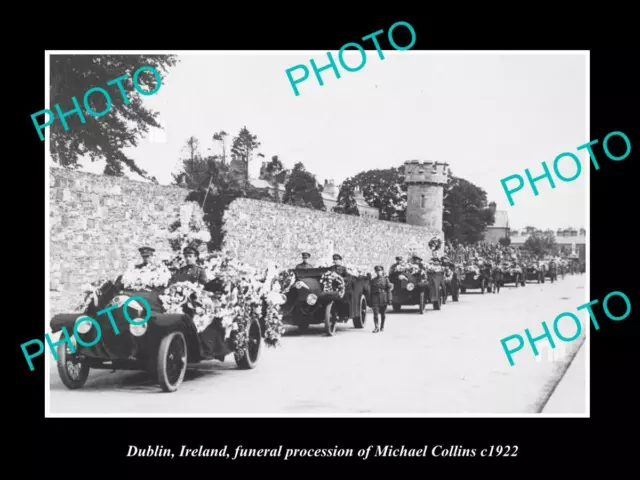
191,272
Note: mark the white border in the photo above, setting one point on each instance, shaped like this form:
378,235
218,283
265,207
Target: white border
48,163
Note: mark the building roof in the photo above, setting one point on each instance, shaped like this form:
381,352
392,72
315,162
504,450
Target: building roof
502,220
577,239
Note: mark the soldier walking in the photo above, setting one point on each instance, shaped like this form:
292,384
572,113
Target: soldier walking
381,289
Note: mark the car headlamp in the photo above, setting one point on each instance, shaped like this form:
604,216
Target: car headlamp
83,326
138,330
312,299
410,286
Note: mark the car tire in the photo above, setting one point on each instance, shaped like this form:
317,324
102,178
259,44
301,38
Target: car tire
71,379
254,346
330,320
359,321
173,349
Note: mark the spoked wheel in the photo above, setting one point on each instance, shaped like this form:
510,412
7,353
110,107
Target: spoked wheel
359,321
252,351
330,320
73,372
172,361
421,306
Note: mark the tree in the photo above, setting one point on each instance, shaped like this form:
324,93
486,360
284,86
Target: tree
275,173
504,241
384,190
346,203
220,137
121,127
243,147
541,244
301,190
214,186
466,214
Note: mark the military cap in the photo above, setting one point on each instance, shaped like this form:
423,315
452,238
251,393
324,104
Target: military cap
145,251
306,254
378,268
337,257
417,258
189,250
398,259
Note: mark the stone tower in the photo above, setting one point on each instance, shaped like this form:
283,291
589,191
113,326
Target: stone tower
425,188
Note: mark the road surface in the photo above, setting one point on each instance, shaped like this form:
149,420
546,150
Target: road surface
442,362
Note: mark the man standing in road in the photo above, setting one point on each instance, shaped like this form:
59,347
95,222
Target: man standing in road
381,289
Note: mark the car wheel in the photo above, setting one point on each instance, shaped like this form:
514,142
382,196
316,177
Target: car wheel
252,351
330,320
73,372
172,361
360,320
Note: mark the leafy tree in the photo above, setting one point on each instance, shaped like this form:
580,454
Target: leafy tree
214,186
504,241
301,190
384,190
466,214
123,126
541,243
275,173
347,199
243,147
221,137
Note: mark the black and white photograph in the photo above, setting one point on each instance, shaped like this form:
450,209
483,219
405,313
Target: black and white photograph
275,233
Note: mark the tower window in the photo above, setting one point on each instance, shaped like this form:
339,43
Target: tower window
423,201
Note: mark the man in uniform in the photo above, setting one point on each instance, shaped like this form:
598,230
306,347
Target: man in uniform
147,256
398,262
338,267
191,272
305,264
381,289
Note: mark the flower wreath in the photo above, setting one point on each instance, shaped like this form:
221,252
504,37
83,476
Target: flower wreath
333,282
286,279
435,243
148,277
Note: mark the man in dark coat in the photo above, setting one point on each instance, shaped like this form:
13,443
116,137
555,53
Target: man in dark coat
147,256
398,262
381,289
338,267
191,272
305,263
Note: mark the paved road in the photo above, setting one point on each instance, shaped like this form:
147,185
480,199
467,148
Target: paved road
570,394
449,361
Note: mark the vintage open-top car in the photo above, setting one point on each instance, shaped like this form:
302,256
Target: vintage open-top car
512,273
476,277
534,272
163,344
322,296
417,287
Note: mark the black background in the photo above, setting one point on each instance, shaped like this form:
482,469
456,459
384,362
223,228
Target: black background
90,447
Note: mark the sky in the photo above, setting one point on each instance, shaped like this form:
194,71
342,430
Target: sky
487,115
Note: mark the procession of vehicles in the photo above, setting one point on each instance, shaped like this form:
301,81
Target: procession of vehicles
111,333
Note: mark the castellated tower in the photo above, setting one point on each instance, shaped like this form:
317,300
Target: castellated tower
425,188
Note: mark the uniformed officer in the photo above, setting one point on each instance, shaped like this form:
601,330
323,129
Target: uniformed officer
147,256
381,289
398,262
305,263
191,272
338,267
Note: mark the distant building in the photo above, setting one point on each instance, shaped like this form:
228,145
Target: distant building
329,194
570,240
500,227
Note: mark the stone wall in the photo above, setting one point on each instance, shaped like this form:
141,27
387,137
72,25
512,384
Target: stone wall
97,223
261,232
